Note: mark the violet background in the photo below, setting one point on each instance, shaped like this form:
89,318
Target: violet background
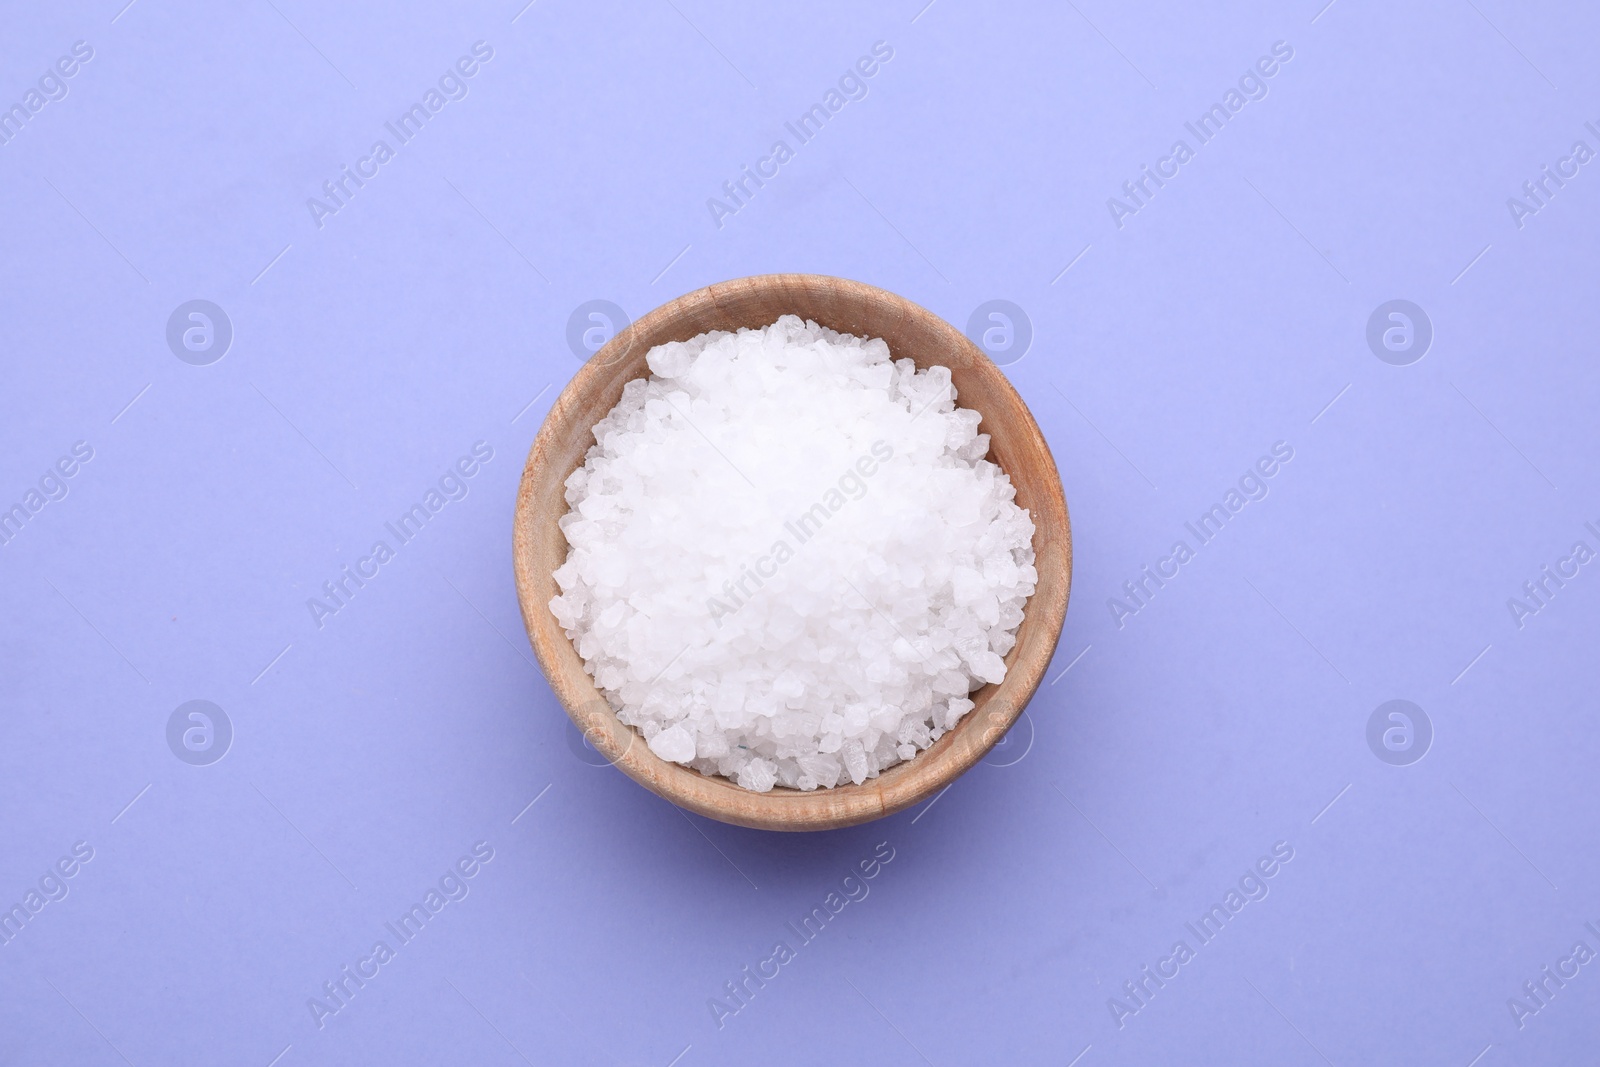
1158,763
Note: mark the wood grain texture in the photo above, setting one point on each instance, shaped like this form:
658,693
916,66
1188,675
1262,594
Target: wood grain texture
850,307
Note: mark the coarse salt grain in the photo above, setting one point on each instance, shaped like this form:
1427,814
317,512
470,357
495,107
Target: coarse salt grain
789,560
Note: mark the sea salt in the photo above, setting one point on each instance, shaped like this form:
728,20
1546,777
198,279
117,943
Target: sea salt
789,561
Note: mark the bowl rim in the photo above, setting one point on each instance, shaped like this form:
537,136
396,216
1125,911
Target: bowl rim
899,787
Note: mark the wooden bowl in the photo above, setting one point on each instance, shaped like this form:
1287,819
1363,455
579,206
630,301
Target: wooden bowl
849,307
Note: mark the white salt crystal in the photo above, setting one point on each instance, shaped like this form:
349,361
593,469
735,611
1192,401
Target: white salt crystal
789,562
757,776
674,743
